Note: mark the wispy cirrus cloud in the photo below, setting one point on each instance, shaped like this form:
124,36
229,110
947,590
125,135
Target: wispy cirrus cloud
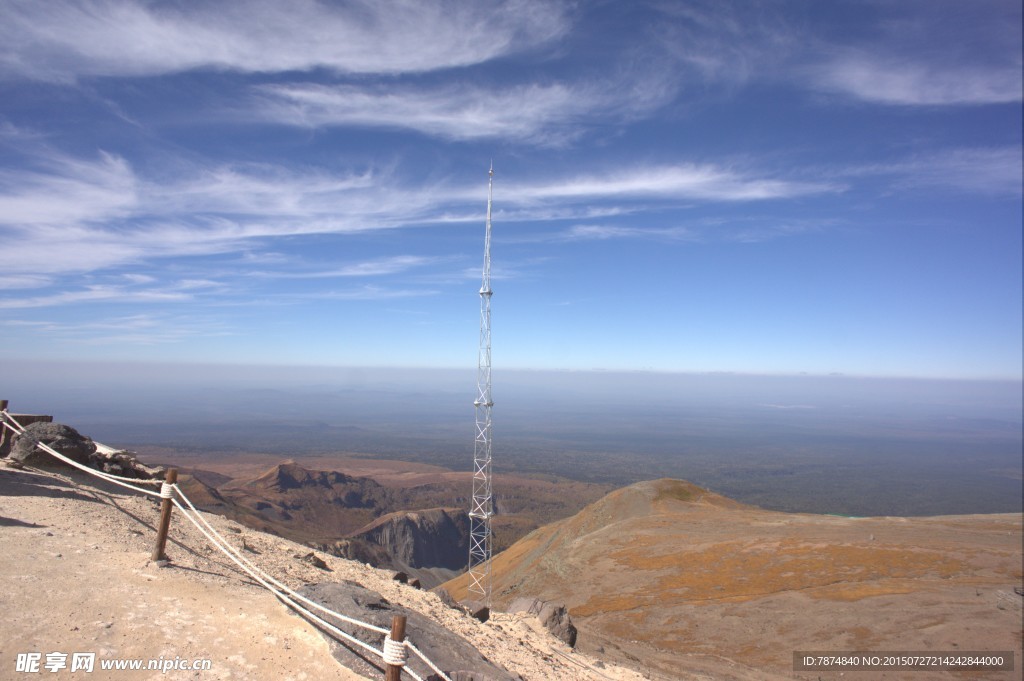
707,182
981,171
134,329
61,41
606,232
749,229
368,268
897,80
457,112
69,214
20,281
541,113
917,52
368,292
726,42
62,188
926,53
93,294
259,189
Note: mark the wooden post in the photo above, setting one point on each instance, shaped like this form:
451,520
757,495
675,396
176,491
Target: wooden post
5,437
393,672
165,518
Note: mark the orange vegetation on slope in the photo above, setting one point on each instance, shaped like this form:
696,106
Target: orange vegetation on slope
672,574
741,570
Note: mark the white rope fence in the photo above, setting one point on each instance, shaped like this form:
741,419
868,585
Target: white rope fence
11,424
393,653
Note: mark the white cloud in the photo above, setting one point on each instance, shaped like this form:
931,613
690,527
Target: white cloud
748,229
369,268
726,42
982,171
769,229
195,284
92,294
551,113
604,232
461,112
71,215
668,182
20,281
985,171
369,292
64,40
926,53
891,79
254,189
66,189
135,329
908,53
136,278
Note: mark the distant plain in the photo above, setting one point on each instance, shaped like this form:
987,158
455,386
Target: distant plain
818,444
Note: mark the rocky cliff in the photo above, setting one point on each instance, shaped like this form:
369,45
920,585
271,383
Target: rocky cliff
431,545
347,516
436,537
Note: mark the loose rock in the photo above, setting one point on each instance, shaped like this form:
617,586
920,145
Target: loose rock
554,617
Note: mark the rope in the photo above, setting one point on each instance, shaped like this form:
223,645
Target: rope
109,477
395,652
17,428
276,583
426,660
279,594
266,580
280,589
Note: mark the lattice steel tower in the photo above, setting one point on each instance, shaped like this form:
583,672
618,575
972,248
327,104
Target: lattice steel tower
482,507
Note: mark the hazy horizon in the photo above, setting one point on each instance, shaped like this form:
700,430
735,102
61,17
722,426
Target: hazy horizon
865,446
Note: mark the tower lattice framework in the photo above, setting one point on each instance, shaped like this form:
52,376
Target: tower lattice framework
482,507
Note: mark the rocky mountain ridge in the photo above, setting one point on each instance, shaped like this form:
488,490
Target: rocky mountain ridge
347,516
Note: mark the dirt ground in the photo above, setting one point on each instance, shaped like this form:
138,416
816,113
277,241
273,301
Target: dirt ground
74,561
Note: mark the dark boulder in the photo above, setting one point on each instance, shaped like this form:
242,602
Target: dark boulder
477,610
62,439
69,442
7,435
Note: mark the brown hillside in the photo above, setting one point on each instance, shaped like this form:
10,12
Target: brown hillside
524,502
686,580
309,505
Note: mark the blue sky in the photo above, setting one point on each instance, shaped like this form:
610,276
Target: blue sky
768,187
